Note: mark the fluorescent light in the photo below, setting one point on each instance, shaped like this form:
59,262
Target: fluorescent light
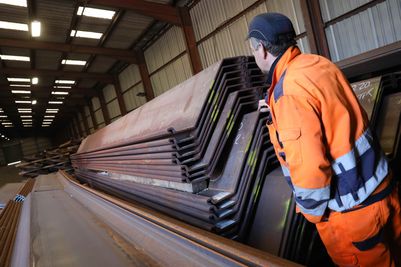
16,58
13,26
14,2
49,116
27,120
8,126
51,111
62,87
28,125
20,85
7,123
85,34
73,62
23,102
59,93
35,80
24,111
13,163
3,116
56,102
34,102
20,92
26,116
95,12
35,28
65,81
19,80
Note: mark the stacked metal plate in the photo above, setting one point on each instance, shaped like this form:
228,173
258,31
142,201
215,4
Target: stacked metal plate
197,152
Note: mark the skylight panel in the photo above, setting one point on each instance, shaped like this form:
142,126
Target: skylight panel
95,12
86,34
13,26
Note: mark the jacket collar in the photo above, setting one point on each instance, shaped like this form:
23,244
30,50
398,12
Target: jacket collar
281,66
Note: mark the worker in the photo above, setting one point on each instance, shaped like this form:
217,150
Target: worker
339,175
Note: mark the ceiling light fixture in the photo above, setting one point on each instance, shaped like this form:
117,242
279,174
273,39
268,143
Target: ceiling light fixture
35,80
65,81
34,102
56,102
20,85
20,92
36,28
59,93
62,87
23,102
19,80
16,58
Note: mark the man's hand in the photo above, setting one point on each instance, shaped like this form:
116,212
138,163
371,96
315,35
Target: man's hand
263,107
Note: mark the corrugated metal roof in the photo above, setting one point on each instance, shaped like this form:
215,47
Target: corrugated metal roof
129,29
102,64
47,59
56,19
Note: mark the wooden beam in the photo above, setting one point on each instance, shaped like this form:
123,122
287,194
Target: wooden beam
157,11
92,113
143,69
120,54
104,109
318,28
190,41
65,74
120,99
84,119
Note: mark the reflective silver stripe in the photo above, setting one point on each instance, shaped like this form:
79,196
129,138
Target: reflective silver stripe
348,161
364,192
286,171
315,194
318,211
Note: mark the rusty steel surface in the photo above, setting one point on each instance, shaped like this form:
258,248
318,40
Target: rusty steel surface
205,173
169,242
9,222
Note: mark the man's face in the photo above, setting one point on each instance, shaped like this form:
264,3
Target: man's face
260,56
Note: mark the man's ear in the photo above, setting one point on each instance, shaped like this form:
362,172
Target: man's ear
265,53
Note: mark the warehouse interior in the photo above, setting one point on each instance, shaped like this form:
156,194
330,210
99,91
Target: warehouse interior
130,133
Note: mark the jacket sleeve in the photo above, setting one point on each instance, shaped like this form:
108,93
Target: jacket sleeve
301,136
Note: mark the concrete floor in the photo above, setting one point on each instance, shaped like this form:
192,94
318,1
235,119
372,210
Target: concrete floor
10,175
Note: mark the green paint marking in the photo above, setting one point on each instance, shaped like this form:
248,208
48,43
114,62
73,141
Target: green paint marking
210,97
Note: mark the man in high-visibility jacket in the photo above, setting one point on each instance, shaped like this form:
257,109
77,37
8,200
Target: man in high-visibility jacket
338,173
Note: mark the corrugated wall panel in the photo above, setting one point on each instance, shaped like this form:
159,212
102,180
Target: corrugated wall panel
230,41
2,158
43,143
90,122
99,116
95,103
91,130
129,76
373,28
207,15
332,9
132,101
86,111
171,75
114,109
28,146
116,118
109,93
168,46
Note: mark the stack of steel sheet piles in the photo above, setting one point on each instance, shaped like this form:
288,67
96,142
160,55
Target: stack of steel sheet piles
197,152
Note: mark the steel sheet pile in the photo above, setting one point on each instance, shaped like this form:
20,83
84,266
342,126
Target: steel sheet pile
198,152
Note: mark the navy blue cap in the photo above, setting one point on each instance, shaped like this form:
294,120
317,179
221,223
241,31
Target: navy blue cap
271,27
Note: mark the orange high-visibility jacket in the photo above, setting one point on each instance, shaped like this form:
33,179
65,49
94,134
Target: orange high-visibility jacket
321,136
